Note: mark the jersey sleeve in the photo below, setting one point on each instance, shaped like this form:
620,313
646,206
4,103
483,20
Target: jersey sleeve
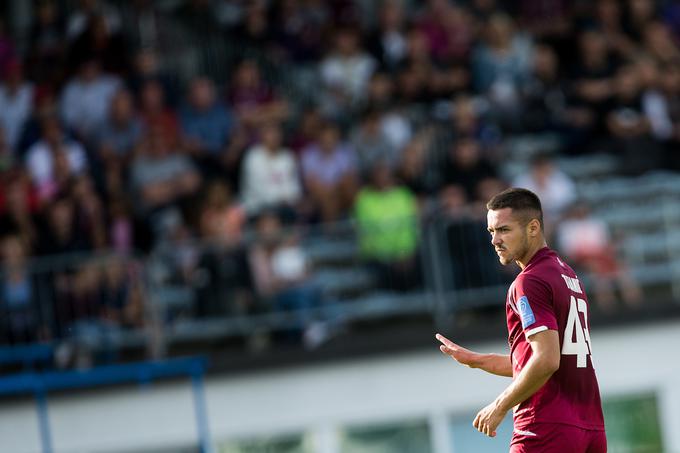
534,303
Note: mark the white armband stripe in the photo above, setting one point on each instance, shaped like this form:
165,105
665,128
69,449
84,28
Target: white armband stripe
535,330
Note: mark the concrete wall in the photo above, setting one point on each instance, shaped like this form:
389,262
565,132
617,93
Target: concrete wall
321,399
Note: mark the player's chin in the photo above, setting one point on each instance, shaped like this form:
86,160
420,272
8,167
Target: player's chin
504,260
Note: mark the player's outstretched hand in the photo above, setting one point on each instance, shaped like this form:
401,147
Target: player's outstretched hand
458,353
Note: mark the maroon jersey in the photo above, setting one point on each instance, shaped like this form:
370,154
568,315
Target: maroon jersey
548,295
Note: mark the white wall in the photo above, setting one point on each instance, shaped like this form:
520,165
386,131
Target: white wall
322,398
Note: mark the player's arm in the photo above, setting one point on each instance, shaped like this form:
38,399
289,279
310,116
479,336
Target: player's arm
498,364
544,361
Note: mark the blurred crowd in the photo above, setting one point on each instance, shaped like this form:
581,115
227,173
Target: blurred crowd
129,125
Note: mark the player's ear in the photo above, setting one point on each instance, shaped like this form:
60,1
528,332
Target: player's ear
534,227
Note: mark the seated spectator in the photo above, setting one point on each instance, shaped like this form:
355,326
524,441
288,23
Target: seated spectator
61,232
86,98
118,135
388,41
281,275
86,11
466,166
121,297
502,64
659,42
270,177
329,170
160,175
98,40
388,229
206,125
473,263
117,138
372,143
586,241
629,127
254,102
555,188
345,72
413,169
16,104
222,218
307,130
90,214
54,159
592,82
19,205
21,319
155,113
46,43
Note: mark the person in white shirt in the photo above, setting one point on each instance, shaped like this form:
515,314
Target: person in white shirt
346,71
54,157
86,99
270,175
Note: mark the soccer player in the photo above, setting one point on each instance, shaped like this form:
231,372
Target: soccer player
554,394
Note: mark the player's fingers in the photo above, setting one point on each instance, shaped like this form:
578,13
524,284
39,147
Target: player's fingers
445,341
493,434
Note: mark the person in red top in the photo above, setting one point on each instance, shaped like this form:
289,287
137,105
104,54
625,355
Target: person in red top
554,394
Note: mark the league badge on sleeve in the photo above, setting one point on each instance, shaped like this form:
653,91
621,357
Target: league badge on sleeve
525,312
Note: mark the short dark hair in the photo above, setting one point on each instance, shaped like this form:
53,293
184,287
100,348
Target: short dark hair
522,201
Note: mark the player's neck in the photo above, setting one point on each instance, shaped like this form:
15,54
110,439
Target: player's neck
524,261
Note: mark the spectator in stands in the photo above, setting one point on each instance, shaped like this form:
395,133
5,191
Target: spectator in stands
98,41
387,43
345,72
226,290
466,166
20,319
222,217
61,233
554,187
270,177
413,169
146,67
586,241
610,21
85,101
88,11
307,131
449,31
16,103
120,133
299,30
472,264
281,273
330,174
54,159
90,216
46,43
592,82
206,125
19,205
659,42
629,127
388,228
160,175
121,298
372,143
254,102
501,64
156,114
